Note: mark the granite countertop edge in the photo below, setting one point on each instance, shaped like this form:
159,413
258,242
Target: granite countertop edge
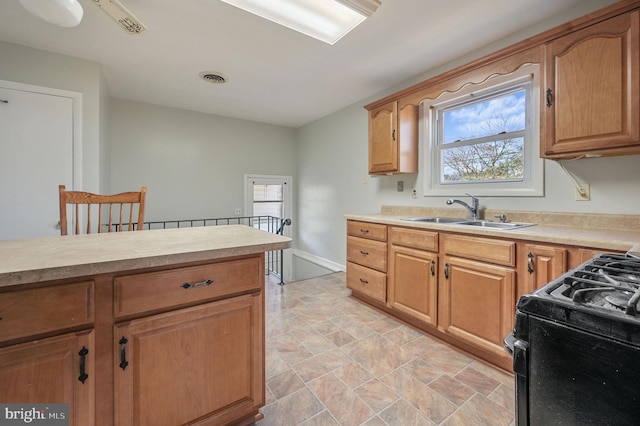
54,258
606,239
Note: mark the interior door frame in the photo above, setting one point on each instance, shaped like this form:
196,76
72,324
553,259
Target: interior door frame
288,206
248,198
76,135
76,102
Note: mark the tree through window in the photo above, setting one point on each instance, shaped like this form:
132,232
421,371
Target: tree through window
483,140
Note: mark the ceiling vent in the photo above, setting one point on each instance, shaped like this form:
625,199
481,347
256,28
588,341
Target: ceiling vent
125,19
213,77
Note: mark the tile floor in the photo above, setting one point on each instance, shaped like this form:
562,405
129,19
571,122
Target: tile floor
331,360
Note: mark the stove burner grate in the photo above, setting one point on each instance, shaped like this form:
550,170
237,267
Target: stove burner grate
606,281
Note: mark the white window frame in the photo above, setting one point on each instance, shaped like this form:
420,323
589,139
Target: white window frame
532,184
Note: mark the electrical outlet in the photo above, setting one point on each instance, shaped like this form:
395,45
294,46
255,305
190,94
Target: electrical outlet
414,194
400,185
238,211
365,179
583,192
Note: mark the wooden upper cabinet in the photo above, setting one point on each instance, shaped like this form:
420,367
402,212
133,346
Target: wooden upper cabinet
393,138
591,96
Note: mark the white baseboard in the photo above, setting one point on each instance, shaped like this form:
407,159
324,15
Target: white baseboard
320,261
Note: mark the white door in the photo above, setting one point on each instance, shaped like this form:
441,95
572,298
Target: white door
267,195
36,155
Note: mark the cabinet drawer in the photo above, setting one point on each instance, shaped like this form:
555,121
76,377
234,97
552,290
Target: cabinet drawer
484,249
414,238
163,289
372,231
372,254
42,310
367,281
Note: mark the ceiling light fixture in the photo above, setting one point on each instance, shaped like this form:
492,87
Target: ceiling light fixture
64,13
325,20
121,15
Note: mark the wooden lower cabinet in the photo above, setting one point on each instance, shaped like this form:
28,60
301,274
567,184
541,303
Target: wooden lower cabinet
544,264
176,345
413,283
202,364
367,282
477,303
55,370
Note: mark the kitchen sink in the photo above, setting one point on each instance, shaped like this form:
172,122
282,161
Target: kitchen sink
436,219
466,222
494,225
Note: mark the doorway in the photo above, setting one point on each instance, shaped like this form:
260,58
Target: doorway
40,148
267,195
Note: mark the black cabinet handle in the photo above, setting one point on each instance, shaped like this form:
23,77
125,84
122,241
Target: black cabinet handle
530,263
363,281
364,231
393,135
83,355
549,98
123,353
364,253
433,268
446,271
196,285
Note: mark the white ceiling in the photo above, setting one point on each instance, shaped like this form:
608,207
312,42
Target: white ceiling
275,75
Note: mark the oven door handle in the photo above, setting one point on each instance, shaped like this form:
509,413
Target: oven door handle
519,349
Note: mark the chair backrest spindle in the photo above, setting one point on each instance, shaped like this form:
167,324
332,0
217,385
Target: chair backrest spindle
129,200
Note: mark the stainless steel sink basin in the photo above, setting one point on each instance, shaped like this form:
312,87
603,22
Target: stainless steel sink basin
495,225
435,219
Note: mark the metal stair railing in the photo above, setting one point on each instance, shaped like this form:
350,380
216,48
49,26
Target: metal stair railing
274,260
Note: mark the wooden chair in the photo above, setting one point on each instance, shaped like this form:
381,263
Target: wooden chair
125,203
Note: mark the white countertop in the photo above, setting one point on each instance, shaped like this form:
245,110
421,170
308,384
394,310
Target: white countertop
51,258
600,238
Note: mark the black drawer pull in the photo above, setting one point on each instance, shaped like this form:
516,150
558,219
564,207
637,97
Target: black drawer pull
363,281
446,271
364,253
123,353
549,98
433,268
364,231
196,285
83,355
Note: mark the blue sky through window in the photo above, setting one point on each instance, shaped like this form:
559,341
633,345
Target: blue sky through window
487,117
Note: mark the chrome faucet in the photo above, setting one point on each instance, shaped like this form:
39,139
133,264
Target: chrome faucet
473,210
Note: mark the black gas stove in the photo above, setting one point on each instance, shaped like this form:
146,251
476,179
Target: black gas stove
576,347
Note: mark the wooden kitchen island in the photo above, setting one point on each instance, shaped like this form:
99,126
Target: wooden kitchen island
157,327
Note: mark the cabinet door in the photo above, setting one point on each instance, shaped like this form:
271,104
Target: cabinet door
412,286
544,264
591,102
477,302
383,138
203,363
50,371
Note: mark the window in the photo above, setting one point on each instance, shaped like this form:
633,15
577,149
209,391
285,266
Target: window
268,200
268,197
484,138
